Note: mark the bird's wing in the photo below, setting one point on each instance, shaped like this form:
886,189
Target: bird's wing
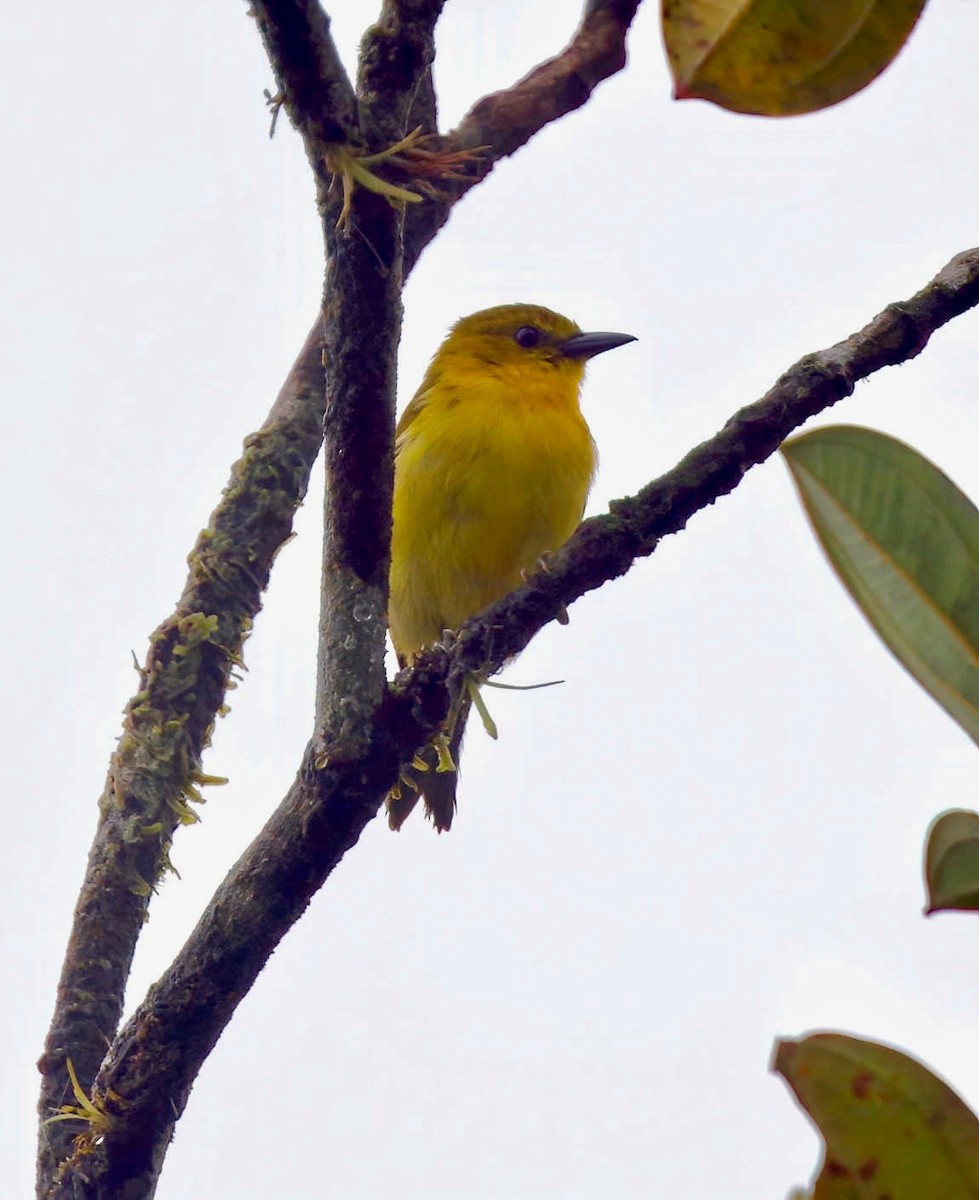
417,404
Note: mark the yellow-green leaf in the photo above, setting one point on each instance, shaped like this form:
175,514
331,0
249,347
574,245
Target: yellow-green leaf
952,862
905,542
890,1127
781,57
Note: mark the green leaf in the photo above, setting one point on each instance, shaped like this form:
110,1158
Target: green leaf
905,542
952,862
779,57
891,1128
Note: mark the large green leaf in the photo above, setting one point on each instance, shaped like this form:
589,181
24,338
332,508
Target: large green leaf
952,862
779,57
891,1128
905,542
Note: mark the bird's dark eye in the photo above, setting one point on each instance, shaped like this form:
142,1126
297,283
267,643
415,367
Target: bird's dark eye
527,336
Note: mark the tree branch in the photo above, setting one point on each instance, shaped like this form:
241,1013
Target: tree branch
604,547
167,726
405,33
508,119
147,1076
363,729
394,82
504,121
154,1061
156,769
312,84
362,318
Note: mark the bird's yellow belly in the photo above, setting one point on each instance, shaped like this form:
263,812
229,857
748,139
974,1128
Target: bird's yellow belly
475,503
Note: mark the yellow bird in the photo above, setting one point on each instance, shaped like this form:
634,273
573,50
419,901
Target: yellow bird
493,464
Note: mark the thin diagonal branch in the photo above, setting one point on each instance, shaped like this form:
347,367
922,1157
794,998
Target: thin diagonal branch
606,546
508,119
503,122
156,769
155,1059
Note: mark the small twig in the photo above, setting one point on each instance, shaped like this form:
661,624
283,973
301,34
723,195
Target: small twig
274,105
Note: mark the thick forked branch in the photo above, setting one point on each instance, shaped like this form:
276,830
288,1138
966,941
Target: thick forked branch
156,1058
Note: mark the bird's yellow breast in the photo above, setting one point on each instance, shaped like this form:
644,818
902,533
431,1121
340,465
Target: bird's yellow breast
492,470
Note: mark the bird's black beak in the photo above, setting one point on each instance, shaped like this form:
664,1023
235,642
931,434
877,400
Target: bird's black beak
587,345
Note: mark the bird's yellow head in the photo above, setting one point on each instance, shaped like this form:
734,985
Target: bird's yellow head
513,340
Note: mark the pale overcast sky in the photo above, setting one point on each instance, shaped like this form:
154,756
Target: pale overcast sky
710,835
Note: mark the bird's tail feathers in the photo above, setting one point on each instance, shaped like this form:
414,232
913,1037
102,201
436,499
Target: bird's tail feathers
426,782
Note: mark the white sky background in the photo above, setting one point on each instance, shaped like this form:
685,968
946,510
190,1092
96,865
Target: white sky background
709,836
